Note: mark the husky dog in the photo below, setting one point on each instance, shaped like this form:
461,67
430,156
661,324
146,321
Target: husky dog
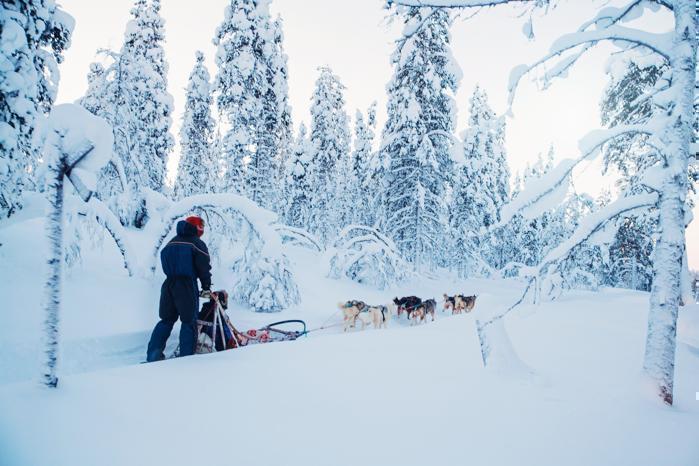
407,304
376,315
464,303
449,303
421,312
418,315
350,311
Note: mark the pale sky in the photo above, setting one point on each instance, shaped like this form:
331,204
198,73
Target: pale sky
355,39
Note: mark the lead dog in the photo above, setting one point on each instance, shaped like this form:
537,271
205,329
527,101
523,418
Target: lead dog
464,303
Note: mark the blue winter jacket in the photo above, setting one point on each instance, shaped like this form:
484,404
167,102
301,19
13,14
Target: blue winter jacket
187,256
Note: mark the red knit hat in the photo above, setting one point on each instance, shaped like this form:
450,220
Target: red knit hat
197,222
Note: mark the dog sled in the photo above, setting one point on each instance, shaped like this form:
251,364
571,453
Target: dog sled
216,332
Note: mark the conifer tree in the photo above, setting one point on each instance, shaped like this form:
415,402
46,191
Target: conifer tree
623,103
330,141
297,184
251,91
416,140
197,168
34,34
480,190
362,190
134,100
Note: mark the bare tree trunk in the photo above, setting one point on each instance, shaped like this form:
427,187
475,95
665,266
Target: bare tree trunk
659,361
52,288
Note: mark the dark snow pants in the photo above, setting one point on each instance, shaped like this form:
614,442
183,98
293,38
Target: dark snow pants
179,297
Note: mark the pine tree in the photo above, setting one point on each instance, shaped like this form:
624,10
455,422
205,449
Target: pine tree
481,189
623,103
417,136
34,34
330,140
281,123
133,98
251,90
148,106
101,100
297,184
362,190
197,168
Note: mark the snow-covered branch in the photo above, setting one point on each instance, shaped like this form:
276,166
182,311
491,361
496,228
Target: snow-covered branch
538,191
298,235
260,219
366,256
106,218
586,39
593,223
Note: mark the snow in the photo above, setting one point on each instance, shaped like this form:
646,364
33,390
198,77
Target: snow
574,400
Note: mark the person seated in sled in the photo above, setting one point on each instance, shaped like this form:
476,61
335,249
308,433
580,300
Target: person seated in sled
184,259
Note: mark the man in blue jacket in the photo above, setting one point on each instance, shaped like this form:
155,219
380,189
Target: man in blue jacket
185,259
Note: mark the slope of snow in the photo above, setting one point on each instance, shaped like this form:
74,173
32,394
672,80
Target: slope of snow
405,395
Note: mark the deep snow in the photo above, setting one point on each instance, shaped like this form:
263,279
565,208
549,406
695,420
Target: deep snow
405,395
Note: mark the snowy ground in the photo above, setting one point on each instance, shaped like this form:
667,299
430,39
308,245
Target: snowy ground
406,395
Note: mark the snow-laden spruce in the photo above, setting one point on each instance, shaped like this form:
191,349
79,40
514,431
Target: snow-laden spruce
417,138
131,94
33,36
632,80
297,183
252,94
362,190
481,187
197,169
330,145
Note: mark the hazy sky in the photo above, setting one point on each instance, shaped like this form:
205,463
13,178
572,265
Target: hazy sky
355,38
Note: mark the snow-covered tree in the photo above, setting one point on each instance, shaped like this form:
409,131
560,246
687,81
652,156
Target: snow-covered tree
630,154
196,172
297,207
101,100
481,188
33,36
280,122
131,94
147,106
362,190
416,141
330,140
251,91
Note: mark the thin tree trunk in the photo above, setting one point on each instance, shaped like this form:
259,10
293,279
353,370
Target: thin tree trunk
52,288
659,361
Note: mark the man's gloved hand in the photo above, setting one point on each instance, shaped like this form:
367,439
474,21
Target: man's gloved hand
206,294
